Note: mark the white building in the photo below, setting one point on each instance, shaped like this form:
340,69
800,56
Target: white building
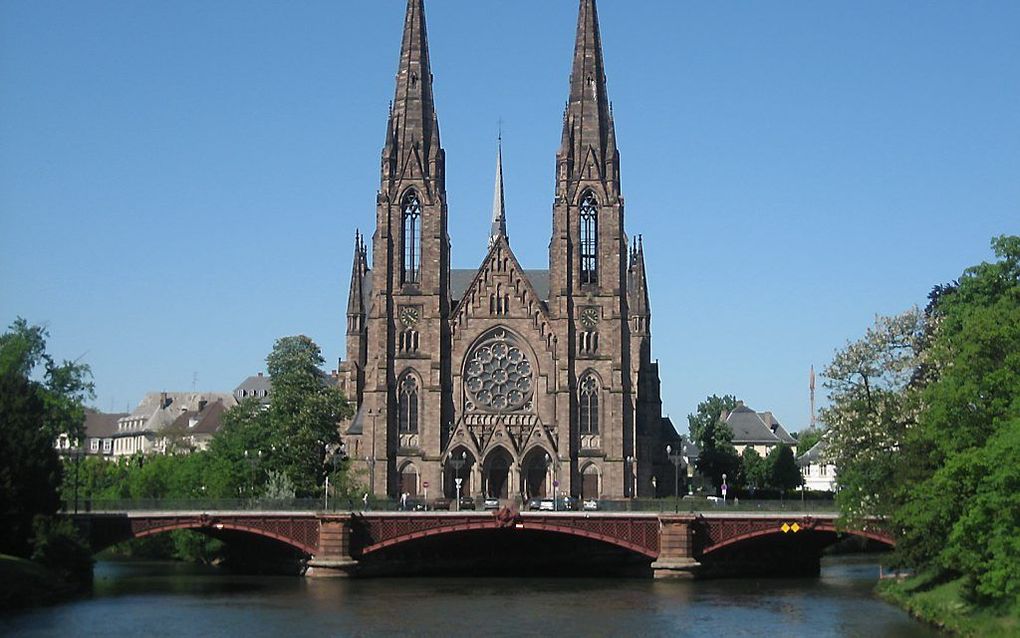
818,471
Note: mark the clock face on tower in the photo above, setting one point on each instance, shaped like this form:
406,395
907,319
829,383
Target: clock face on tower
589,317
409,316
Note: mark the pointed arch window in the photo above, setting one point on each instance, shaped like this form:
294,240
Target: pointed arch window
411,238
407,405
588,404
589,219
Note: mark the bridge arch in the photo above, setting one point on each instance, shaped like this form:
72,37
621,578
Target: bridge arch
774,530
301,535
623,534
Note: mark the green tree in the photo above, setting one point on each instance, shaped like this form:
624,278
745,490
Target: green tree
714,439
291,436
961,511
807,438
39,400
782,470
753,470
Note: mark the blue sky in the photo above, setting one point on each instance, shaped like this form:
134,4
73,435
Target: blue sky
180,182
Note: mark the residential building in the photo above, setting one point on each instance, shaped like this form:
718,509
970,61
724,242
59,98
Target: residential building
760,431
817,468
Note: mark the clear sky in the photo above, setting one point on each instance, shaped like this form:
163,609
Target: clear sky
180,181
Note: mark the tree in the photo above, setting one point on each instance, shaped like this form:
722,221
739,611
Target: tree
291,436
39,400
871,407
807,438
714,438
781,466
961,511
753,470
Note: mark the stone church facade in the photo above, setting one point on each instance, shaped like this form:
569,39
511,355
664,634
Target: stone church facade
507,378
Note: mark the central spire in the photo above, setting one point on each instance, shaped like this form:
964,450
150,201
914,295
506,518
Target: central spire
498,205
588,121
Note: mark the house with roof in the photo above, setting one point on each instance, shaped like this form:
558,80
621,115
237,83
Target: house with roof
145,429
760,431
100,428
817,468
258,387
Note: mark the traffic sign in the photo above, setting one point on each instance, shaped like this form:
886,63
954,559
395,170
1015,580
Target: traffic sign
425,485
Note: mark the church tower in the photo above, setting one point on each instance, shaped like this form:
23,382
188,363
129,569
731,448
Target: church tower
588,269
404,411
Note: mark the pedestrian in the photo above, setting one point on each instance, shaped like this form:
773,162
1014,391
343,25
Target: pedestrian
403,502
364,501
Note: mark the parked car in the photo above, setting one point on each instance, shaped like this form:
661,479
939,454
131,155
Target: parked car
534,504
490,503
467,503
441,504
590,505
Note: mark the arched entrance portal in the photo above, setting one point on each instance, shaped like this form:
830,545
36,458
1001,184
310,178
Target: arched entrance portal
496,475
462,459
535,474
590,482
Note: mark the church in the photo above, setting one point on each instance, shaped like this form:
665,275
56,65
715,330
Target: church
508,380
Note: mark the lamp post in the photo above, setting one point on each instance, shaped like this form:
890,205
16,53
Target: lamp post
676,460
77,464
655,488
724,488
631,477
457,464
555,465
337,458
252,460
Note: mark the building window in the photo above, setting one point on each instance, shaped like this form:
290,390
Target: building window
411,238
588,405
589,239
407,405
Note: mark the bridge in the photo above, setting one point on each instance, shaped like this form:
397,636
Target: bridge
368,543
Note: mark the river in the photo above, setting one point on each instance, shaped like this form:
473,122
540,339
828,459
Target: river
173,599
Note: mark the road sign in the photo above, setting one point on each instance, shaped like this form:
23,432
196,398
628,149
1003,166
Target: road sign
425,485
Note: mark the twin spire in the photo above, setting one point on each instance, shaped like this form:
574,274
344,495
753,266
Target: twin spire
589,136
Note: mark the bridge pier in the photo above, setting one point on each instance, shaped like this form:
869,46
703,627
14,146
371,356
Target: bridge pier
676,548
333,558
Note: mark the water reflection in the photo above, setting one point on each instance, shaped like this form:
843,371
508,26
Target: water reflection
175,599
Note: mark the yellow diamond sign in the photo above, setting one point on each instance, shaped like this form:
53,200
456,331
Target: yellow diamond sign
785,528
795,527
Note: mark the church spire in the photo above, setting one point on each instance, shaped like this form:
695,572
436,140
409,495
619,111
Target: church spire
413,125
498,204
637,288
356,309
588,120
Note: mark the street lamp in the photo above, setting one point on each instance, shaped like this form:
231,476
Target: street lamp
676,460
631,477
337,458
252,460
724,488
77,454
556,478
458,463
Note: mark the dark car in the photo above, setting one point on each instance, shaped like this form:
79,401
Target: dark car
467,503
441,504
534,504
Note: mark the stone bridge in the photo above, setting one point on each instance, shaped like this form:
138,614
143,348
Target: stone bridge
668,545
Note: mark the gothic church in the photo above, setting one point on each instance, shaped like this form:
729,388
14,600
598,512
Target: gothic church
509,379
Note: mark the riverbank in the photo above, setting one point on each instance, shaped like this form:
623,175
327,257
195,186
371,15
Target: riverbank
26,584
942,604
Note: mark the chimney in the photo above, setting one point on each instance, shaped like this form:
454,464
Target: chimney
163,403
260,374
201,404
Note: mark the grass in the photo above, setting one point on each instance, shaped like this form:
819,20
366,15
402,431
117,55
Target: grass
943,604
24,583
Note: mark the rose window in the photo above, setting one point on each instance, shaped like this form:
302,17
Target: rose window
498,376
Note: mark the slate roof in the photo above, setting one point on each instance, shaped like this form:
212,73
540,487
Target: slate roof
207,420
254,386
815,455
99,425
750,427
461,278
